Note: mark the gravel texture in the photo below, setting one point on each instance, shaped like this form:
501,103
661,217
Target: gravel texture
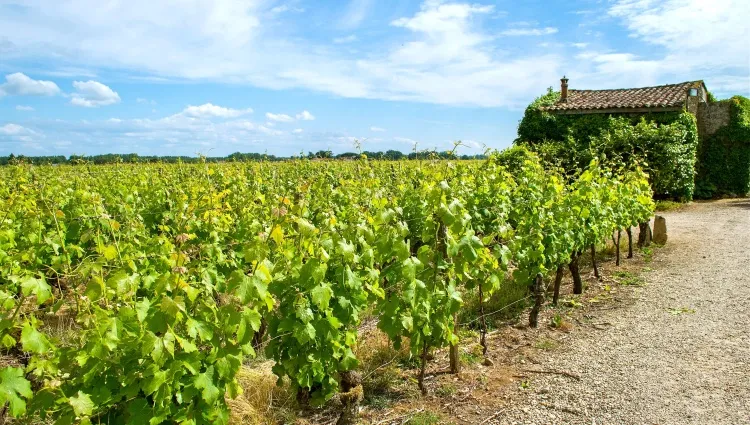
679,354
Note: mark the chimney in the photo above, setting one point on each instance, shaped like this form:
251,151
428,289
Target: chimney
564,89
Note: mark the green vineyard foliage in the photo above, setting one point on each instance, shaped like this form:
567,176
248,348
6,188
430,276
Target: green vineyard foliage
134,293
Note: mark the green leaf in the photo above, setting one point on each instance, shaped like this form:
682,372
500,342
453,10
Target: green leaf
38,287
321,296
151,384
34,341
95,288
187,345
141,309
109,252
277,234
13,386
407,322
205,382
82,404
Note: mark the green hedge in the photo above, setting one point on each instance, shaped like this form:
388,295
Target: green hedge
724,166
665,144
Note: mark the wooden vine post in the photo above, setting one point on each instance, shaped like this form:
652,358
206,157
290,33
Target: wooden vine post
538,301
558,282
593,261
482,323
629,231
573,267
420,378
617,248
454,353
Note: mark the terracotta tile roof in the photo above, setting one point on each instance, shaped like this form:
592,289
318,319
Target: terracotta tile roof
670,95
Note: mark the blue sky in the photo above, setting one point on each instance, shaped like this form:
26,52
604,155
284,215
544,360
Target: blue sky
287,76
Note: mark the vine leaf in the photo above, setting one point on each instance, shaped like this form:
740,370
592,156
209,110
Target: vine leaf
321,296
38,287
82,404
205,382
13,386
33,341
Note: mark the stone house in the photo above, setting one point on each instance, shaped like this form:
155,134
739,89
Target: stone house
691,96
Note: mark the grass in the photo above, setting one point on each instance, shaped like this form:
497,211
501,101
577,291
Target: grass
507,303
664,206
425,418
446,390
558,322
546,344
262,402
648,254
629,279
380,363
681,310
473,356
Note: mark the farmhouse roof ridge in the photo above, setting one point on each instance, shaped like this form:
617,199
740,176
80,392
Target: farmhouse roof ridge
661,96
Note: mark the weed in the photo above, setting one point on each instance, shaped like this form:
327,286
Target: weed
446,390
546,344
524,385
556,321
681,310
505,304
668,205
629,279
472,355
648,254
572,303
378,402
379,364
424,418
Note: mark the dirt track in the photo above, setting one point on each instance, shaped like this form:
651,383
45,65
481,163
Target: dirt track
680,354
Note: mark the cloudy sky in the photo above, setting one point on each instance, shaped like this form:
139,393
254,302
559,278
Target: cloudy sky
288,76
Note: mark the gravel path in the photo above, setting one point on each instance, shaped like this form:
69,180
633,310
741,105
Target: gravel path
680,354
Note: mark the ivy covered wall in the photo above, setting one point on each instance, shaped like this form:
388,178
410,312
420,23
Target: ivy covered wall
664,143
724,154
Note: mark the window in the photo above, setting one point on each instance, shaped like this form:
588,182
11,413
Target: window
693,92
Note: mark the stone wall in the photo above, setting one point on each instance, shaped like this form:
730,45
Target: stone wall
711,117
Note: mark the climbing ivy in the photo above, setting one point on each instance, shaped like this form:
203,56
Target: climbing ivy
724,165
665,142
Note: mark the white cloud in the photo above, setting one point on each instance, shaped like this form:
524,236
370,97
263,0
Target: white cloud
92,94
13,130
19,84
297,131
355,13
406,140
208,110
580,45
441,54
270,131
279,117
24,108
286,8
706,40
377,129
529,31
305,116
343,40
145,101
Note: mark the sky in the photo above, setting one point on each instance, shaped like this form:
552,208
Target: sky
212,77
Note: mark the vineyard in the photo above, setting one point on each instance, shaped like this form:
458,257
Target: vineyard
168,277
